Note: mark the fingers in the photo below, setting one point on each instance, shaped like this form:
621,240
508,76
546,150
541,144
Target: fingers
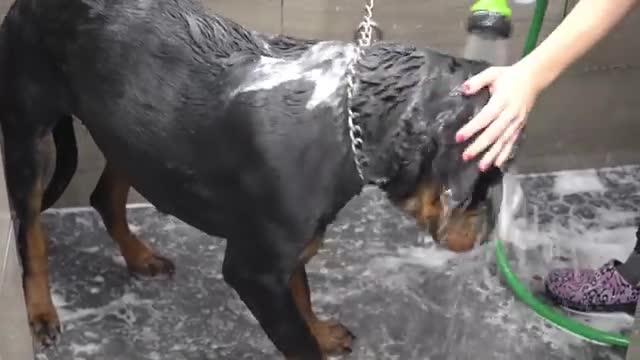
499,123
490,135
484,117
481,80
506,152
503,139
488,112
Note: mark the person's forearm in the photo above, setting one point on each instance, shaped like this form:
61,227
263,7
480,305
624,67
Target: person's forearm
584,26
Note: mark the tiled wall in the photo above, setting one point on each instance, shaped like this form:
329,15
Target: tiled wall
591,115
587,119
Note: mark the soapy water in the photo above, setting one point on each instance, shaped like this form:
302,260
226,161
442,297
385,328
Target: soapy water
535,250
405,300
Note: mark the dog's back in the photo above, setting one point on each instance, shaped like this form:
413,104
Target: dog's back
160,84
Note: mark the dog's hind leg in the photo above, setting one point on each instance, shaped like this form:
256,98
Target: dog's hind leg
333,337
66,161
25,153
109,198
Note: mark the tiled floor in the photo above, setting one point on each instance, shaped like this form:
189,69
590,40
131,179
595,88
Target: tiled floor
404,297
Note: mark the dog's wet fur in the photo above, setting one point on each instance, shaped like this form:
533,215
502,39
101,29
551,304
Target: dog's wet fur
239,134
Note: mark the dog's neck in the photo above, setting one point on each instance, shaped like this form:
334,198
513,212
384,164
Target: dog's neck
389,101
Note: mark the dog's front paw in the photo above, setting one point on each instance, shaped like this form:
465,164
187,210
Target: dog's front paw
333,337
151,264
45,327
142,259
43,318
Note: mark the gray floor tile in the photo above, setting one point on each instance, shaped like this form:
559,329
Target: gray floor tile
404,297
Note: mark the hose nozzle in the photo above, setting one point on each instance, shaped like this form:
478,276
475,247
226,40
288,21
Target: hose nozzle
490,18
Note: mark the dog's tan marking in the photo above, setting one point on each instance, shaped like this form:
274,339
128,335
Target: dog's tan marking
332,337
311,250
43,318
110,200
424,204
461,234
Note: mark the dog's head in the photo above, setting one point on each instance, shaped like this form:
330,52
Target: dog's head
457,203
451,198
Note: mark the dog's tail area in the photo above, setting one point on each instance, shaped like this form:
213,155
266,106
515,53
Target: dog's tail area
66,145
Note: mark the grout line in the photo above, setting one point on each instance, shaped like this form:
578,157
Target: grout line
64,210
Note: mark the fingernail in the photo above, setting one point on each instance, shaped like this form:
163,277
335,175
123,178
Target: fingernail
466,157
460,138
466,88
483,167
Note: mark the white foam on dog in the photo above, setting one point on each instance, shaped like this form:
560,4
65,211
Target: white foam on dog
310,66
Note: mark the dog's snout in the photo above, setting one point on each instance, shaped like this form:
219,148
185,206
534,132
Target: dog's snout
460,231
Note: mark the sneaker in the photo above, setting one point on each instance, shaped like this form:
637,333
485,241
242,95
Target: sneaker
589,290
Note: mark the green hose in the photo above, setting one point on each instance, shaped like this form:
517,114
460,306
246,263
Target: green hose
520,290
554,317
536,26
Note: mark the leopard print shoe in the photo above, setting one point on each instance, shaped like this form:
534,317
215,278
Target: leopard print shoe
602,290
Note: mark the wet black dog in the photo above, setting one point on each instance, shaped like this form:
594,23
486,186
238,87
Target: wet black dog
239,134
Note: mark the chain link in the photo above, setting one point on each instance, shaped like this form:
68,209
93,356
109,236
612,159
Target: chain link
355,130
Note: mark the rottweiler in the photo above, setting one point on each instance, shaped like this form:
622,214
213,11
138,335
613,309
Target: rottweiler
240,134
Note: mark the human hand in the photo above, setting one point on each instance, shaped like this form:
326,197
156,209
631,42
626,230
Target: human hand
513,94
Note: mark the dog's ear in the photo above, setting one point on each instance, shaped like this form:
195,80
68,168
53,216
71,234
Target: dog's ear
459,178
449,114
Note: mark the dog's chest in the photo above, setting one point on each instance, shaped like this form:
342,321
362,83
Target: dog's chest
320,71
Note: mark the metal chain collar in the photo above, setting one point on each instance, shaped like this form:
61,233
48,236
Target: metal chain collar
355,130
